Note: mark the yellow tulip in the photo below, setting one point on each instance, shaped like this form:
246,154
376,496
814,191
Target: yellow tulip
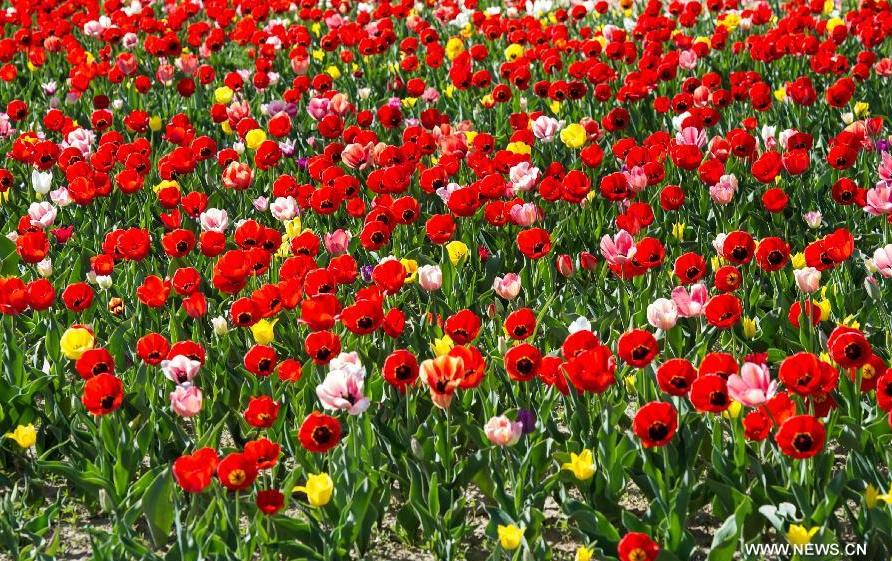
582,465
825,307
155,123
799,535
750,328
443,345
411,267
733,410
457,251
318,489
333,71
223,95
510,536
521,148
454,47
23,435
833,23
75,342
573,136
886,497
798,260
513,52
678,230
263,332
871,496
584,553
255,138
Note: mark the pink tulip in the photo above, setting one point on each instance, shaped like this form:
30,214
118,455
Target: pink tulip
808,279
882,260
524,215
692,136
662,314
338,241
690,304
885,168
753,386
342,390
619,249
180,369
186,400
507,287
356,156
502,431
879,199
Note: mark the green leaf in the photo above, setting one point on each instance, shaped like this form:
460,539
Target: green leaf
157,506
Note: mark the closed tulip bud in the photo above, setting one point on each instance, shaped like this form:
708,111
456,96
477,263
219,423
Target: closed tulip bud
502,431
492,311
430,277
587,261
186,400
221,326
338,241
808,279
45,268
564,265
872,288
318,489
662,314
507,287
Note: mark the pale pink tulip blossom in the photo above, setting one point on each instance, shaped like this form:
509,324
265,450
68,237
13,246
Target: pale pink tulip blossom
180,369
523,176
662,314
186,400
687,60
502,431
808,279
507,287
545,128
723,192
342,390
882,260
524,215
42,214
691,136
430,277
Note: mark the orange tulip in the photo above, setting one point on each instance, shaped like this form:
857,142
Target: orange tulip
442,375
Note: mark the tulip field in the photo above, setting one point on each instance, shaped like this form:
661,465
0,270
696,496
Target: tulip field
445,280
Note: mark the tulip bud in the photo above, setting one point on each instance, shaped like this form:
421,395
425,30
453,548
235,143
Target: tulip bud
430,277
808,279
186,400
45,268
564,264
507,287
587,261
221,326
